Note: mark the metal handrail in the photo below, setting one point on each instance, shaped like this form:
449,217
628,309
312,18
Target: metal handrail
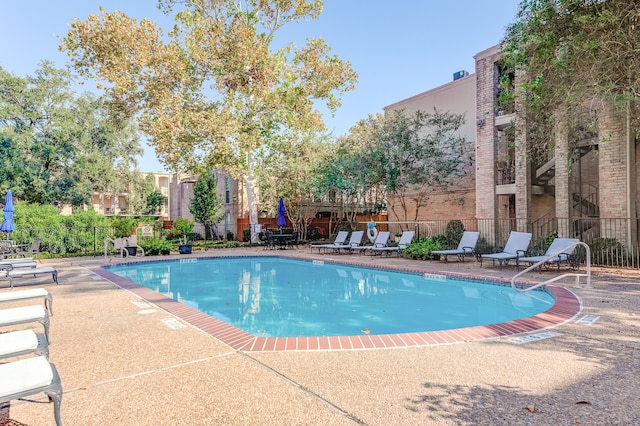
587,273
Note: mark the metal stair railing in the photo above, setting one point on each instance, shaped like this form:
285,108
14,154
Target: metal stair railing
587,273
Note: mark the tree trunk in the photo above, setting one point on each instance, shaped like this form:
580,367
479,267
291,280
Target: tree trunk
252,200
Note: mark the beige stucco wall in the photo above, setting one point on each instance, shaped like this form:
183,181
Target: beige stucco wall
457,97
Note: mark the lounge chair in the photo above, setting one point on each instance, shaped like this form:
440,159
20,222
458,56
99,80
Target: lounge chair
26,262
23,342
355,240
516,247
405,240
467,245
32,293
381,241
28,377
25,314
558,249
7,271
339,241
32,250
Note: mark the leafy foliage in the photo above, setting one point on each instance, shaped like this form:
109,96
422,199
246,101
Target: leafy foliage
213,93
571,58
124,226
453,233
422,248
207,206
58,148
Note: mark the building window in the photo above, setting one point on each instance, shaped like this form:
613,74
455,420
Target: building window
227,190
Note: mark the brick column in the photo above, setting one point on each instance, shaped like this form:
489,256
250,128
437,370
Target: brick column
486,200
562,183
523,171
613,164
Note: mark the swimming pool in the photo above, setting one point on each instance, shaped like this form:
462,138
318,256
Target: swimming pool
278,297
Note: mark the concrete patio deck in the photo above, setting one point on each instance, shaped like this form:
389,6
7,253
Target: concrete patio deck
122,367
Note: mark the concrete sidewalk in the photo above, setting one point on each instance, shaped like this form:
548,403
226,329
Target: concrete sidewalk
124,363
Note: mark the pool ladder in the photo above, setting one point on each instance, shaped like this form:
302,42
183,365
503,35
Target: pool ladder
587,273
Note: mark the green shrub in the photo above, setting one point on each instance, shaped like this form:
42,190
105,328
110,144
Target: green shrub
453,233
483,247
155,245
540,245
422,248
124,226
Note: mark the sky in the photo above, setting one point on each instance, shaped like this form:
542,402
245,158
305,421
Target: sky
399,48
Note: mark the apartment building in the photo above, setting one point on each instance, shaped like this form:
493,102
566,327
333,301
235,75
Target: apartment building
117,203
585,187
456,97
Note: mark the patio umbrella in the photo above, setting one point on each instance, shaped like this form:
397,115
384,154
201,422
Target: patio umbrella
281,210
7,224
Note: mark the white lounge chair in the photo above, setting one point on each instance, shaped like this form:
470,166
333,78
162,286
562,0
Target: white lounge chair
467,245
23,342
25,314
28,377
339,241
405,240
26,262
7,271
516,247
32,293
381,241
559,248
354,241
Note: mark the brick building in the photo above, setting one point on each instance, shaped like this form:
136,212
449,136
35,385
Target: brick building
585,188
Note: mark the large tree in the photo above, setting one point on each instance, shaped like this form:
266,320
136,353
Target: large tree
214,93
569,56
414,155
58,148
206,206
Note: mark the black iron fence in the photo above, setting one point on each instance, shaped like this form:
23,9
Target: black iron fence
613,242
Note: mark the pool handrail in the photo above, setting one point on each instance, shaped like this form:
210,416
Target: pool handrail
587,273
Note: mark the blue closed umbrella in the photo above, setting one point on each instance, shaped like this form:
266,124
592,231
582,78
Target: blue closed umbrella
7,224
281,211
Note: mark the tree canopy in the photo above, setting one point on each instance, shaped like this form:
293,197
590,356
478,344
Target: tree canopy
570,55
58,148
206,205
412,155
213,93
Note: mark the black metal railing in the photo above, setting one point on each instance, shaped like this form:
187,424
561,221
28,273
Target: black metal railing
613,241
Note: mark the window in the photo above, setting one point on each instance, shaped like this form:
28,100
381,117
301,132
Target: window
227,191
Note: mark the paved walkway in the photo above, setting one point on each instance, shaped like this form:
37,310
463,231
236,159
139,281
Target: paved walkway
123,367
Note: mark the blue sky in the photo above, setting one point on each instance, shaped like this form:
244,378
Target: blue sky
399,48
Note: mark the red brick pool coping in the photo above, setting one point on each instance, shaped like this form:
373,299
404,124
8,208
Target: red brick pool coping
567,306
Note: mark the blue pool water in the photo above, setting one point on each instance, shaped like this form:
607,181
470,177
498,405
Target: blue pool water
275,297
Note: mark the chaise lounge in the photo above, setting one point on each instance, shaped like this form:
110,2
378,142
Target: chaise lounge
516,247
338,242
28,377
467,245
560,250
381,241
32,293
405,240
23,342
24,315
8,271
